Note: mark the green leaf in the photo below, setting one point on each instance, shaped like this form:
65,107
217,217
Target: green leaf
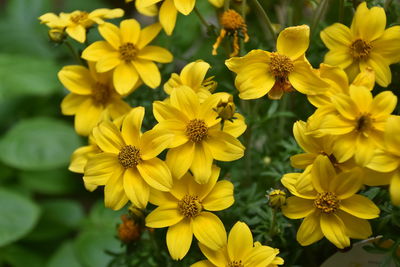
26,75
101,217
64,257
18,216
18,256
39,144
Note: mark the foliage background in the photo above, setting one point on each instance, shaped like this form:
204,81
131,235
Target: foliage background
46,216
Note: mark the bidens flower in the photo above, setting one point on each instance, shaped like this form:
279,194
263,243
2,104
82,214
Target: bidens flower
240,251
77,22
127,54
329,204
365,44
261,72
185,210
128,165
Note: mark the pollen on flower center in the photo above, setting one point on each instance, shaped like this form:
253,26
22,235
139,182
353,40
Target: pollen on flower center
129,156
190,206
327,202
280,66
128,51
196,130
79,18
364,122
235,263
100,94
360,49
231,20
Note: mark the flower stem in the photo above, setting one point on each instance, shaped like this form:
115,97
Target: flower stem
265,18
210,27
73,52
318,14
273,223
227,4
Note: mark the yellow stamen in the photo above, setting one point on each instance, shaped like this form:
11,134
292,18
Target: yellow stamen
101,94
129,157
231,20
236,264
327,202
128,51
190,206
280,66
196,130
360,49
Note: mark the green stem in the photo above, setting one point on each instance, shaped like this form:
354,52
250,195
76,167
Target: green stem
282,119
318,14
243,13
341,11
265,18
73,52
202,19
227,4
273,223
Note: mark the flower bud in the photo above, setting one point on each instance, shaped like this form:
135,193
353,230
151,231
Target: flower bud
57,35
226,108
276,198
129,231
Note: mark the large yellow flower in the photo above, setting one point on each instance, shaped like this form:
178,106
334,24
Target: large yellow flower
128,165
77,22
365,44
329,204
387,160
261,72
185,210
126,52
198,138
358,122
240,251
92,97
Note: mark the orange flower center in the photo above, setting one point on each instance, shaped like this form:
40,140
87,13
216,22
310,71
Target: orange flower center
327,202
364,122
190,206
129,157
196,130
231,20
360,49
80,18
101,94
280,66
128,51
236,264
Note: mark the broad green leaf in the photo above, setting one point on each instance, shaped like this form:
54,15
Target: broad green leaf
39,144
64,256
18,256
18,216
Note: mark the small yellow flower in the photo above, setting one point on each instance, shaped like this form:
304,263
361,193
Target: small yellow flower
365,44
232,25
77,22
128,165
198,138
240,251
127,54
261,72
92,97
185,210
329,204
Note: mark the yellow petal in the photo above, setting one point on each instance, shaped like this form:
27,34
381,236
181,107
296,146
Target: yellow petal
310,230
194,73
240,241
261,256
301,161
125,77
300,184
336,125
148,34
156,174
108,138
72,102
131,126
299,35
395,189
148,72
372,24
176,128
305,80
215,257
346,184
236,127
97,50
130,31
209,230
186,100
392,134
160,198
184,6
224,147
345,106
108,62
180,159
360,206
155,53
203,263
201,164
383,47
114,193
179,239
164,111
220,198
380,66
374,178
100,168
297,208
383,105
305,141
77,32
152,143
344,147
111,34
355,227
87,117
217,3
136,188
76,79
164,217
80,156
322,173
334,230
364,152
336,36
340,58
365,78
202,190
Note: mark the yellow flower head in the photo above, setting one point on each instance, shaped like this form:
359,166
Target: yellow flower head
127,54
198,138
186,211
92,97
365,44
128,165
261,72
232,25
77,22
329,204
240,251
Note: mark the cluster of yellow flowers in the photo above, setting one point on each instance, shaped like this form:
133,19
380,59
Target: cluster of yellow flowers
352,139
196,126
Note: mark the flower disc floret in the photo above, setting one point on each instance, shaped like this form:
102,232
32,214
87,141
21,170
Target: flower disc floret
327,202
280,66
235,263
190,206
364,122
80,17
128,52
129,156
101,94
196,130
360,49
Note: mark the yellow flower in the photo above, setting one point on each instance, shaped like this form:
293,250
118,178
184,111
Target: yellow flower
387,160
261,72
358,123
198,138
77,22
185,210
329,204
365,44
127,54
240,251
128,165
92,97
151,10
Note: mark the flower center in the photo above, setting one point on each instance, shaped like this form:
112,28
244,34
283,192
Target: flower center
231,20
327,202
128,51
364,122
196,130
190,206
360,49
79,18
235,264
280,66
101,94
129,156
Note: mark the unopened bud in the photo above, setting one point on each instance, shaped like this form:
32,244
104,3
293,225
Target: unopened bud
129,231
276,198
57,35
226,108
